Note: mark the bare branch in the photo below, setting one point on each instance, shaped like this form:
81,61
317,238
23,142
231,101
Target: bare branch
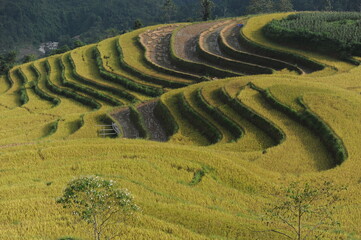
288,223
276,231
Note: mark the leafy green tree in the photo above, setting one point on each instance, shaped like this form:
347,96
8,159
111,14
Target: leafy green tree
10,57
304,211
169,8
28,58
97,202
260,6
112,32
284,6
77,43
7,61
137,24
63,49
206,9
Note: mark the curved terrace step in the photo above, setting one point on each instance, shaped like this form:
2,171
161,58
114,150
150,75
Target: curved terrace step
230,43
12,97
253,138
85,69
132,59
90,123
36,103
67,126
199,119
36,86
111,65
305,64
53,83
306,117
308,151
5,84
67,80
259,133
184,51
23,94
63,105
120,92
178,126
209,49
156,43
230,128
11,83
203,109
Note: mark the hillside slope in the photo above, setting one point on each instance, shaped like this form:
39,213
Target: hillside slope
251,115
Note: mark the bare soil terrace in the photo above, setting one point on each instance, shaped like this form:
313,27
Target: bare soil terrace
128,127
152,123
157,43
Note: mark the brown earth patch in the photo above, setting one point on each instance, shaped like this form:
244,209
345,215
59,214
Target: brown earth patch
157,44
152,123
128,127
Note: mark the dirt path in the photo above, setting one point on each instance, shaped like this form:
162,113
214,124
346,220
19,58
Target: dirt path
153,125
129,129
157,44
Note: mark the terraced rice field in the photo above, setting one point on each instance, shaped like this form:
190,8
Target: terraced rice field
213,97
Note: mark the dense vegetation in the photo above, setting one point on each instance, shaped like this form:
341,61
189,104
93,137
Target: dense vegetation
329,32
7,61
32,22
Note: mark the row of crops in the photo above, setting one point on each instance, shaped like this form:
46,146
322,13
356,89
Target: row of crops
331,32
115,72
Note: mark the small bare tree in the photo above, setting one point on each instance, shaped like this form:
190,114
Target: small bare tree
303,209
97,202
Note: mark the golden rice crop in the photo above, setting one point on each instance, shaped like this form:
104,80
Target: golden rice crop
253,31
240,178
111,60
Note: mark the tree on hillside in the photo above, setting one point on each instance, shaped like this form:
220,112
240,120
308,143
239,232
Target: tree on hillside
206,9
137,24
97,202
7,61
28,58
327,5
260,6
169,8
284,6
304,211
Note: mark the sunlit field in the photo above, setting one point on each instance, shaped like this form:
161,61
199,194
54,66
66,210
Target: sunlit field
229,128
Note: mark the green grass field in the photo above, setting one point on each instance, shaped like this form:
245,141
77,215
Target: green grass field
44,146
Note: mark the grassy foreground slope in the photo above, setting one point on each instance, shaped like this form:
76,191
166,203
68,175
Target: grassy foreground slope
44,146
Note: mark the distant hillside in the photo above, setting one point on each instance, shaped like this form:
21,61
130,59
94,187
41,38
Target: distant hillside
39,21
